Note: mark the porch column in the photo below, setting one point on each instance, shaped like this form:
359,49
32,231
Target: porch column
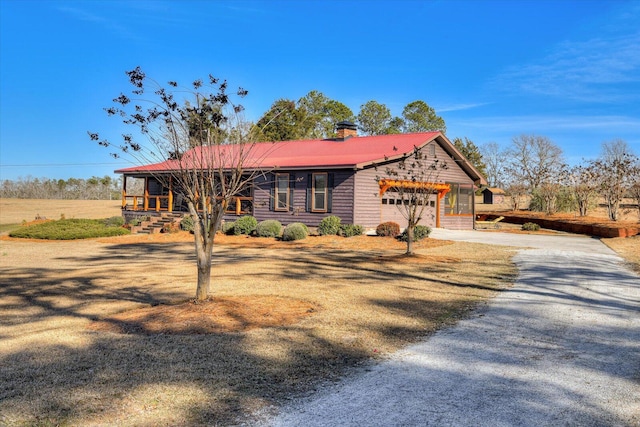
170,202
146,193
124,192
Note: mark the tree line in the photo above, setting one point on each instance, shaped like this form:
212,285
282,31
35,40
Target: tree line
94,188
534,166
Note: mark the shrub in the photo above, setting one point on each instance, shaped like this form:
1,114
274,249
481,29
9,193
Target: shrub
295,231
388,229
269,228
69,229
134,221
350,230
419,232
329,226
245,225
114,221
227,227
171,227
187,223
530,226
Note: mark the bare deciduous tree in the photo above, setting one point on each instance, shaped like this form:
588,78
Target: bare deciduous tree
494,160
613,171
192,140
516,192
533,160
581,180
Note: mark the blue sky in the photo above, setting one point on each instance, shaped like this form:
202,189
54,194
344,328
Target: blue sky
568,70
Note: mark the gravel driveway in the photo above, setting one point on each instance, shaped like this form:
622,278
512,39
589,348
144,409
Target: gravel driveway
562,347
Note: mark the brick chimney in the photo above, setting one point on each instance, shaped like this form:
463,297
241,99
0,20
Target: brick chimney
346,130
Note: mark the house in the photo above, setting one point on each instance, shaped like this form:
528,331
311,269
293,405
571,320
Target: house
305,181
493,196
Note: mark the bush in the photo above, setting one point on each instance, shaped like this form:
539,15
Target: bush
269,228
245,225
134,221
530,226
350,230
419,232
69,229
171,227
114,221
388,229
295,231
329,226
187,223
227,227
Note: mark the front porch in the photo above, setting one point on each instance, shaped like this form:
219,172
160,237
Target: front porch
143,195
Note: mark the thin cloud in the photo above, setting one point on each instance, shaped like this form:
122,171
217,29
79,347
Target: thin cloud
460,107
106,23
598,69
519,124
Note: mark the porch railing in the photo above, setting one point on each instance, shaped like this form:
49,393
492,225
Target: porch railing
147,202
164,203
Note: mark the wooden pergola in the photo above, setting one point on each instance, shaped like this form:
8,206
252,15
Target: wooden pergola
431,187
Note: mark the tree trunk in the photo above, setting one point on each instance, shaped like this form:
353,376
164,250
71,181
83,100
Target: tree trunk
204,278
203,236
410,239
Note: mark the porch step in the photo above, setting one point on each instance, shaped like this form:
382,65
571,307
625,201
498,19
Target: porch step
158,222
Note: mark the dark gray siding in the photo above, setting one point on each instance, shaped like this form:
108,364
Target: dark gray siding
341,206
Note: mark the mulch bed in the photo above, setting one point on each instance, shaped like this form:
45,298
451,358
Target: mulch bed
570,223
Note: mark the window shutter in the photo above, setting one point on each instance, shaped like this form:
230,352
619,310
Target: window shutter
272,193
309,193
329,191
292,184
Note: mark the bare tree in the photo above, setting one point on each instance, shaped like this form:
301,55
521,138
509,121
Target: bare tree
581,180
533,160
494,160
634,189
190,138
517,192
613,171
415,180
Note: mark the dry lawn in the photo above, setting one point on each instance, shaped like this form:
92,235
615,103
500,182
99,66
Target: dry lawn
102,332
99,332
628,248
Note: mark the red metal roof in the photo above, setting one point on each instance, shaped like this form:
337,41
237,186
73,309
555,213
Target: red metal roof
354,152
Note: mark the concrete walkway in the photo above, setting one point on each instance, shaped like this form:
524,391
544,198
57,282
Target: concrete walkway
562,347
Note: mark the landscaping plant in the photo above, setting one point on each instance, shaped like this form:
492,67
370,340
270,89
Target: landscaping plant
350,230
329,226
530,226
69,229
419,232
388,229
295,231
269,228
245,225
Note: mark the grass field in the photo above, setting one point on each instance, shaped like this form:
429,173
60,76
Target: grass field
15,211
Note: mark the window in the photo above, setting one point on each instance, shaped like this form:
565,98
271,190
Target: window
459,201
319,192
281,196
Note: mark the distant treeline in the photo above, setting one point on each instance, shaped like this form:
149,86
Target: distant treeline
94,188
